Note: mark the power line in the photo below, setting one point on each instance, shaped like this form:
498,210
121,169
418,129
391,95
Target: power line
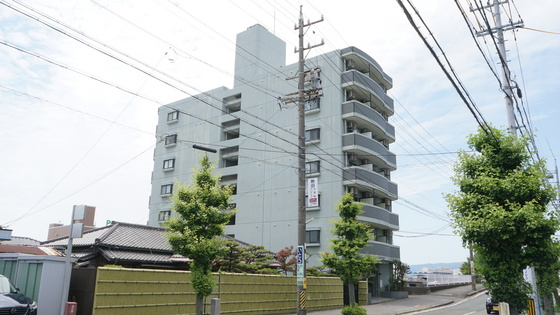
459,88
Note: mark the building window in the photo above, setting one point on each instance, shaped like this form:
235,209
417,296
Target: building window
164,215
312,167
313,134
173,116
171,139
232,219
313,103
168,164
166,189
313,237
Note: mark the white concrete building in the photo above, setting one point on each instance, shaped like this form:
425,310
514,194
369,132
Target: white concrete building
348,137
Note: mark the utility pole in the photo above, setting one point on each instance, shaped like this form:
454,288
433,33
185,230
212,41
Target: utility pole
300,99
506,74
473,277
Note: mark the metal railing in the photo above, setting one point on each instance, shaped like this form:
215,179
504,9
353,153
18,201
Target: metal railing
433,279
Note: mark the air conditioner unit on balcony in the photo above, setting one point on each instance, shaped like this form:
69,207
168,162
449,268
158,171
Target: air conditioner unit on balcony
352,159
353,190
350,95
352,126
387,201
385,143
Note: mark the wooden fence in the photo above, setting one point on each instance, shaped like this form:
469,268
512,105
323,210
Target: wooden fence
143,291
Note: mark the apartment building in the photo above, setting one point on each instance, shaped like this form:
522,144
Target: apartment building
253,126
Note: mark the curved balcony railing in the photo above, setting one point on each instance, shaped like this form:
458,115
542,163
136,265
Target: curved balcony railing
358,78
369,115
383,251
376,181
380,216
362,55
361,142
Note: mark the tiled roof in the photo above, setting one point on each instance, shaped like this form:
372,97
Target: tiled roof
88,238
19,240
124,242
137,236
120,235
135,256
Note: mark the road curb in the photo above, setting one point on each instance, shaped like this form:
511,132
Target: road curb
427,308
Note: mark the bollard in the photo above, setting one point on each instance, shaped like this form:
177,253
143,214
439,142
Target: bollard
504,308
215,306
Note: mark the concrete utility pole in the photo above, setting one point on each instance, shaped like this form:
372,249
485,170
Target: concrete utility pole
301,94
506,74
473,277
76,231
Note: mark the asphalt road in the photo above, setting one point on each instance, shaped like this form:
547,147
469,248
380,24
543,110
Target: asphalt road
474,305
457,301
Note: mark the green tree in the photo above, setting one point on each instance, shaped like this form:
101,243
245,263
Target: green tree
196,231
231,258
246,259
400,270
351,237
502,209
466,267
257,260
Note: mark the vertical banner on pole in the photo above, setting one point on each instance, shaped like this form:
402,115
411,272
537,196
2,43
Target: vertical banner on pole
312,192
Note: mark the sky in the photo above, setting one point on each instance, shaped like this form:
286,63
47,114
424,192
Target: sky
81,82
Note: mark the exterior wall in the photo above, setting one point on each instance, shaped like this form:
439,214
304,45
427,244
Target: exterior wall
142,291
39,277
262,161
57,230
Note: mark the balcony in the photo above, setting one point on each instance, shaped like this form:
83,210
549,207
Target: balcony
230,129
230,156
369,118
363,62
379,100
383,251
353,176
379,217
364,145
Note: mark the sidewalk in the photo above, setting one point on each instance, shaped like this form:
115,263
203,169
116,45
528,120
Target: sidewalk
414,303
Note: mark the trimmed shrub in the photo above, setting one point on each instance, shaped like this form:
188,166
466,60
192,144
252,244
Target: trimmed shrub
354,309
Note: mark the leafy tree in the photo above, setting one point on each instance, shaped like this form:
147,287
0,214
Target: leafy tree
352,236
501,208
202,211
400,270
466,267
286,258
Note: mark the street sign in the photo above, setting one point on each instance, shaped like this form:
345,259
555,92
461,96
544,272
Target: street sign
300,255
